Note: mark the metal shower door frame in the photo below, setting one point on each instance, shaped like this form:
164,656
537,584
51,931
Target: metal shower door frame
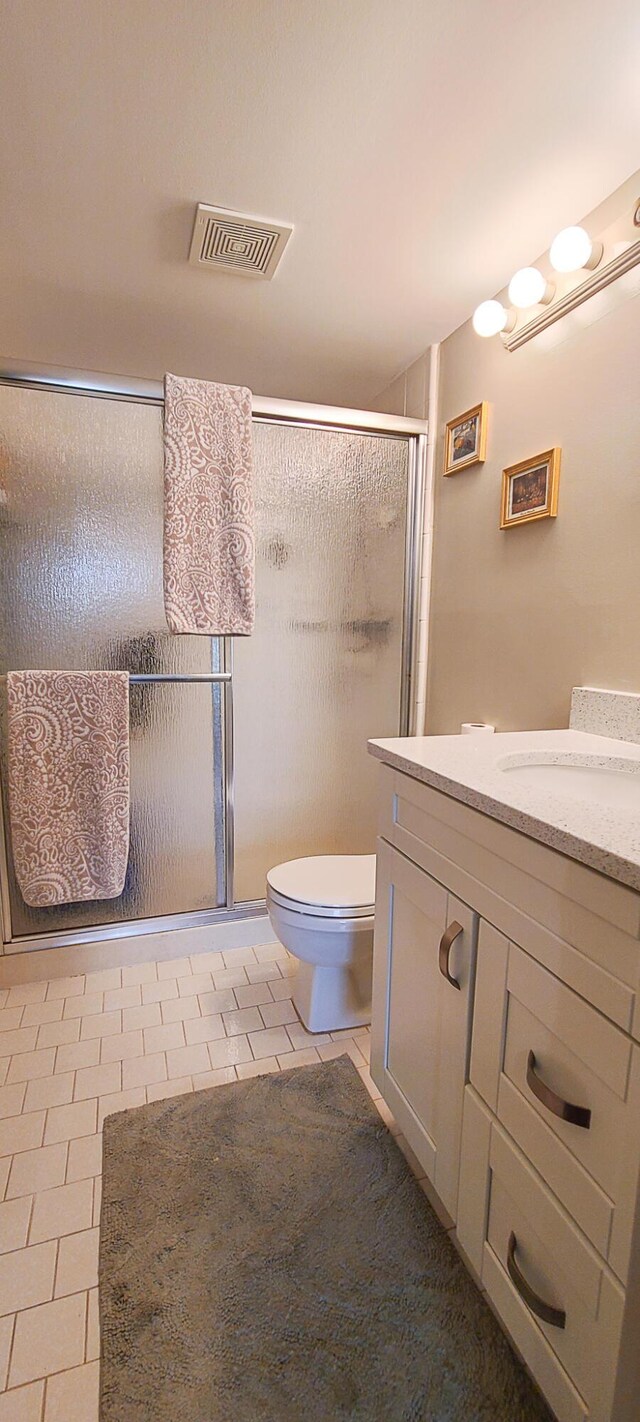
265,411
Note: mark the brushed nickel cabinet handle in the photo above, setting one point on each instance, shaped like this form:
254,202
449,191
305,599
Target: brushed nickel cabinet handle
576,1115
446,942
556,1316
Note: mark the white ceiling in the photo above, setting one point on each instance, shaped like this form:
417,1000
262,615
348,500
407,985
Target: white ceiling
422,148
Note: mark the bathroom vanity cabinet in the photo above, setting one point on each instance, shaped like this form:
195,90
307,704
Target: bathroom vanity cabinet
506,1042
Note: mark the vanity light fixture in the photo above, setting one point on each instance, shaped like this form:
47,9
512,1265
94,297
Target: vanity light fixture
529,288
572,250
536,301
491,317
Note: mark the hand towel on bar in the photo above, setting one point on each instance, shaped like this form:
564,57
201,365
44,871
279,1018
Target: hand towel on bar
209,550
68,735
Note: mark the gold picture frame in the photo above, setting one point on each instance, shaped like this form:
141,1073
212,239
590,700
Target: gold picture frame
466,439
530,489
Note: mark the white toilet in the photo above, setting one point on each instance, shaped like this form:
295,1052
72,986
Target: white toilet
321,909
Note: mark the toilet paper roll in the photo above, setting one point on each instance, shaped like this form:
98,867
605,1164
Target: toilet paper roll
476,728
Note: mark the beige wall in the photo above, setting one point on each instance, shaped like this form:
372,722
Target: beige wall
519,617
408,394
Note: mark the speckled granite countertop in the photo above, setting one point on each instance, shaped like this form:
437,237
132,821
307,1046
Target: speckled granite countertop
466,768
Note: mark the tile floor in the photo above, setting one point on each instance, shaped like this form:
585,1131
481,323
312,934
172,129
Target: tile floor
72,1050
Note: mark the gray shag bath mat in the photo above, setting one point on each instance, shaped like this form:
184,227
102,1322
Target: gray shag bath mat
267,1256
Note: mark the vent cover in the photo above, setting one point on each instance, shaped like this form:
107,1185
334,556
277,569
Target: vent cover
249,246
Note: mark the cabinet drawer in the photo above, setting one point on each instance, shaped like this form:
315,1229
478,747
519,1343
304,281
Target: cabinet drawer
546,1280
566,1084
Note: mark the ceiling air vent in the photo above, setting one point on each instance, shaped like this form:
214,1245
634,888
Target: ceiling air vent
249,246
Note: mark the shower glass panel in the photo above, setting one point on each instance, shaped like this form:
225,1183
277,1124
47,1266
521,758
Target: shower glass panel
323,671
81,587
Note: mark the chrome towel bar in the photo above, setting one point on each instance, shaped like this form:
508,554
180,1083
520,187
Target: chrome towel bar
161,676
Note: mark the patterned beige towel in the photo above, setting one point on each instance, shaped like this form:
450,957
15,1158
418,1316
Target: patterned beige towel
208,508
69,784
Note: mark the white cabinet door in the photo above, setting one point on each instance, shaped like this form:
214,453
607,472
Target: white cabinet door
424,957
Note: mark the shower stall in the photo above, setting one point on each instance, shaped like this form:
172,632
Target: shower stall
247,751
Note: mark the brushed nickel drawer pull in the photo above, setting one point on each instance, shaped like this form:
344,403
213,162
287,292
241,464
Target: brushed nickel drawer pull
446,942
556,1316
576,1115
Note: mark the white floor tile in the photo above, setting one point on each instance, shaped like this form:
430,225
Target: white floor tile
26,1278
180,1009
184,1061
11,1017
72,1396
221,1077
100,1024
26,992
63,1210
149,1015
230,1051
14,1223
85,1157
163,1038
252,995
276,1014
248,1019
36,1013
57,1034
159,991
24,1404
48,1339
270,1042
139,973
160,1090
77,1266
306,1056
229,978
122,1047
193,984
98,1081
73,1055
204,1029
143,1071
65,1123
37,1170
84,1006
6,1336
12,1099
48,1091
130,996
173,968
18,1133
29,1065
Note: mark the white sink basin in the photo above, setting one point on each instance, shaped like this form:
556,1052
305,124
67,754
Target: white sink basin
612,781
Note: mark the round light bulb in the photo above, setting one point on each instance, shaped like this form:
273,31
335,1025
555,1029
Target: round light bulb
571,250
489,318
527,288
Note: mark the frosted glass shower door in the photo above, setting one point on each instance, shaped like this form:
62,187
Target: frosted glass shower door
323,670
81,587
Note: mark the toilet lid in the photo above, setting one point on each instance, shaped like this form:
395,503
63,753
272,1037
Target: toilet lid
344,883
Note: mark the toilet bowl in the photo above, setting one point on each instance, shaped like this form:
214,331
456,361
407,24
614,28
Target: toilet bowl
321,909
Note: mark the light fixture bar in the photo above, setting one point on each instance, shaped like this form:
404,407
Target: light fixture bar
598,280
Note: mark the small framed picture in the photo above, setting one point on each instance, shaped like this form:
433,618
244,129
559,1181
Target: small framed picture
466,439
530,489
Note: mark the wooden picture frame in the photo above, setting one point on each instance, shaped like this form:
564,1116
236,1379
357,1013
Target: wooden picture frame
466,439
530,489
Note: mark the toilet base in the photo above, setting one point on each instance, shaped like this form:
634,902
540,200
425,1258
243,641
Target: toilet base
329,998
